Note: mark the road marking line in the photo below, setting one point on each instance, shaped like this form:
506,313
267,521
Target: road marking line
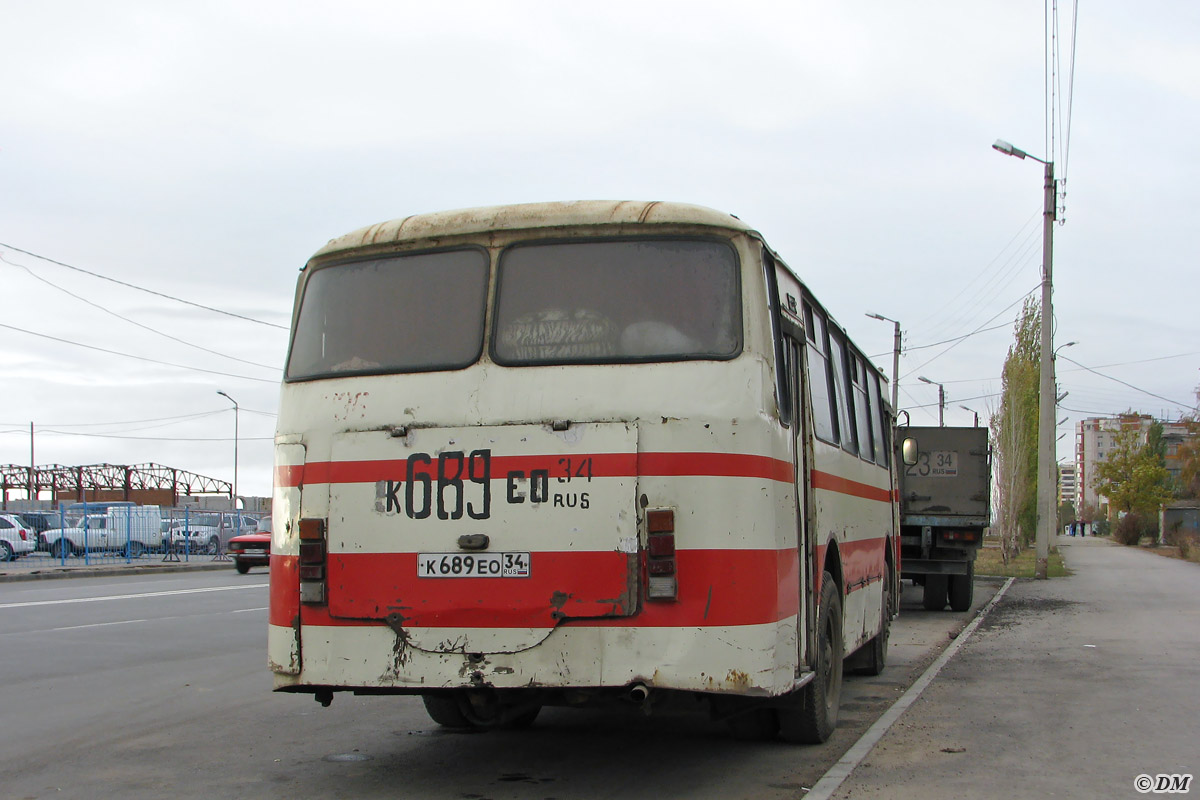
32,603
831,780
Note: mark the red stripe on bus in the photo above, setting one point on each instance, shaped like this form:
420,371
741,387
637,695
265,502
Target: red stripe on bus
716,588
602,465
834,483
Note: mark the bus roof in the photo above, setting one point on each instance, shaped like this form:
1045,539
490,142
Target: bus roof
528,216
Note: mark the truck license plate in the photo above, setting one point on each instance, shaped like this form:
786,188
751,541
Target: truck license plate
473,565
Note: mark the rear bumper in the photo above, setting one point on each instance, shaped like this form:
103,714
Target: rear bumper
753,660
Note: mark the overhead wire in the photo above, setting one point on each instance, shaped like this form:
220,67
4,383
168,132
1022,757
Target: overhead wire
144,289
66,291
1125,383
139,358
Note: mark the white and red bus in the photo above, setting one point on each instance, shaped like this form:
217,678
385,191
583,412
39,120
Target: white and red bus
573,454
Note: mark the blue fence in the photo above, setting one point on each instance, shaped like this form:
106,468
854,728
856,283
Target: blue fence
106,533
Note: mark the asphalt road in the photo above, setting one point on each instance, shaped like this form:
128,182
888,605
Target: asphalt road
150,686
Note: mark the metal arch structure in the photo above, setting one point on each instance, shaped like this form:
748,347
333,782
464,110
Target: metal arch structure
110,482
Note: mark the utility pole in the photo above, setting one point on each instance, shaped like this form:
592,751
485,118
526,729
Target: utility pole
941,400
1047,482
895,361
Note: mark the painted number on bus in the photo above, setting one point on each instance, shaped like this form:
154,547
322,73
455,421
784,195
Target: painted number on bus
454,484
935,464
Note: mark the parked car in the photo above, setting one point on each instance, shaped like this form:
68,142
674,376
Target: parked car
250,550
16,537
40,522
203,531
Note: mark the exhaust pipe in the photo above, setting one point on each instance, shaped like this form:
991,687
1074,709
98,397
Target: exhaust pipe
639,693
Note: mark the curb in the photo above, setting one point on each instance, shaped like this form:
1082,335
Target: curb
120,570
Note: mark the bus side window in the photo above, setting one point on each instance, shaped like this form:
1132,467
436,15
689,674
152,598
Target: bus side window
841,391
883,424
862,408
819,384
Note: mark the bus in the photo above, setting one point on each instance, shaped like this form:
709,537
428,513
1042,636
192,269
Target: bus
578,454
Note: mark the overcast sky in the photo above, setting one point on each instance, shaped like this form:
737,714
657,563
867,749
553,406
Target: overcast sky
205,151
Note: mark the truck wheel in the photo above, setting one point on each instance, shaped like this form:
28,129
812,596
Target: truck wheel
935,592
962,589
876,658
813,718
61,549
242,567
136,549
444,710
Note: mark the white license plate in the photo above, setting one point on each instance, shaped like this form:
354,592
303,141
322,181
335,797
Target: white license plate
473,565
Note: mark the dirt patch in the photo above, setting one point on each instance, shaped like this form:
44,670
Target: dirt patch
1012,609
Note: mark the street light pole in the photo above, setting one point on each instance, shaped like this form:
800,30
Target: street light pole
233,504
941,400
973,411
895,360
1047,480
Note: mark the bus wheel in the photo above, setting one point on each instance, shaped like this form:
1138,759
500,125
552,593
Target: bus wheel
522,720
813,718
935,592
962,589
444,710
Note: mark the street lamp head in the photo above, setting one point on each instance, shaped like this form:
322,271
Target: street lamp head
923,379
1008,149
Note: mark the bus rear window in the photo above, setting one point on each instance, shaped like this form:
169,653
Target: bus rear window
409,313
617,301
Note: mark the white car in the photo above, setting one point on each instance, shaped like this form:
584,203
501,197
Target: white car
138,528
16,538
204,531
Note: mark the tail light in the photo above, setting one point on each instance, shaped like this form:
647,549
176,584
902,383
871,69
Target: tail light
24,534
661,580
960,536
312,561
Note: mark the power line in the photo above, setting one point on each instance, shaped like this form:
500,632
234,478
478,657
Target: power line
50,283
139,358
1124,383
972,333
160,438
143,289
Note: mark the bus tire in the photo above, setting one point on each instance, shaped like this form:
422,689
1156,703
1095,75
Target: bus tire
522,720
444,710
876,655
962,589
813,718
935,592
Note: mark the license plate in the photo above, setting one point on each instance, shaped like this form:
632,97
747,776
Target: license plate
473,565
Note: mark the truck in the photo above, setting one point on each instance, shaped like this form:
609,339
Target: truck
132,529
945,507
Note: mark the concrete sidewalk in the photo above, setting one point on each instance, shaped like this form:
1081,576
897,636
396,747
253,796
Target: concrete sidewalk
43,567
1071,687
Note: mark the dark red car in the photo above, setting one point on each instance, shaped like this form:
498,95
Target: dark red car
250,550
